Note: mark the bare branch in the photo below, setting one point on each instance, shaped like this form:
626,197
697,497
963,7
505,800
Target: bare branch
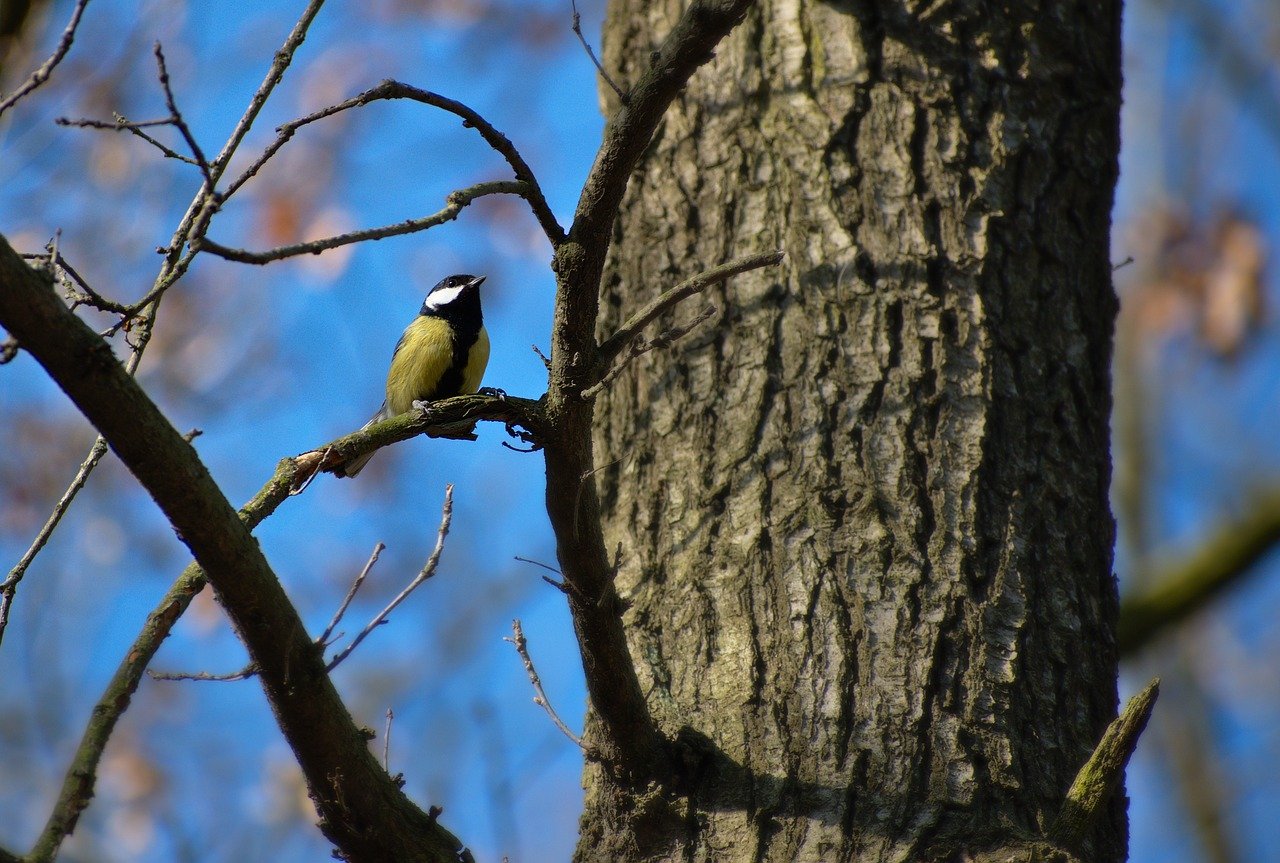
455,202
386,742
388,90
545,566
323,639
629,739
365,814
81,776
441,418
540,696
428,570
640,346
1177,591
1099,776
631,328
90,296
176,118
40,75
10,585
120,123
623,96
245,673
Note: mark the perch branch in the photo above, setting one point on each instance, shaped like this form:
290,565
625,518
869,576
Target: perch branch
440,419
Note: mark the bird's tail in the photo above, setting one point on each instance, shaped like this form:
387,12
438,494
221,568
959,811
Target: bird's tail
357,464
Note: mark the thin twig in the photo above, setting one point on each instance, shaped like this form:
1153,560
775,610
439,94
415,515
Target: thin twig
545,566
120,123
91,297
623,96
1099,776
388,90
10,586
614,345
386,742
40,75
175,116
454,205
251,670
428,570
540,696
640,347
323,640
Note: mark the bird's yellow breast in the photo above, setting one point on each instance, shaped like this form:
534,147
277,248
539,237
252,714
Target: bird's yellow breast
423,367
477,361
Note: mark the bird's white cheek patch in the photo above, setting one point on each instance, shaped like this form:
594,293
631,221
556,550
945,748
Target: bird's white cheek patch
443,297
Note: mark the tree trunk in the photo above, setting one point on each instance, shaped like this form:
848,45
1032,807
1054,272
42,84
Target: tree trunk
861,513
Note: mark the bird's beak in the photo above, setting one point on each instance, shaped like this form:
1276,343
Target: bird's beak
476,282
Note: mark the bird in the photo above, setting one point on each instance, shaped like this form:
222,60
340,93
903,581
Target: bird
442,353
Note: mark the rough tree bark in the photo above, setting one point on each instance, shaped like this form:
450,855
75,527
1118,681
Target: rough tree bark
862,513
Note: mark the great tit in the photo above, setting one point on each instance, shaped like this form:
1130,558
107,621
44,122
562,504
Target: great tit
442,353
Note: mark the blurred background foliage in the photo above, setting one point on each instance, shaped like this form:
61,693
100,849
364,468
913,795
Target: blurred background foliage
271,361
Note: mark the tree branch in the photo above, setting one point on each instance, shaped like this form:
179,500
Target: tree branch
540,696
361,810
577,30
628,739
428,570
631,328
1099,776
1180,590
387,90
640,346
77,787
9,588
441,419
40,75
323,638
455,202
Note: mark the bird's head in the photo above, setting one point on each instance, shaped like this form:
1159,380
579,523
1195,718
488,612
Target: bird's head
449,289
